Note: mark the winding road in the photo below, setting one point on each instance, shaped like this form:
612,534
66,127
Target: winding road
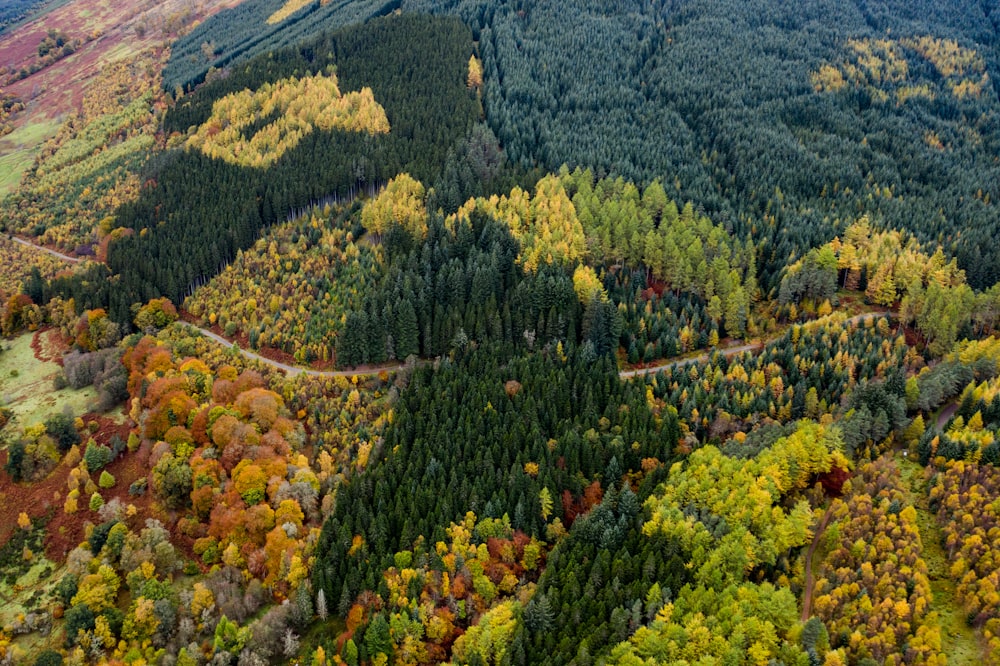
293,370
946,413
624,374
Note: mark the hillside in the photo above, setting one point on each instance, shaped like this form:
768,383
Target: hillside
725,98
48,62
471,332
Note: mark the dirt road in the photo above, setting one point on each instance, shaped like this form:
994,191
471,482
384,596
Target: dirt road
624,374
57,255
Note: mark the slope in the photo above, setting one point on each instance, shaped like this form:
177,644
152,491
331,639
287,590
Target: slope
723,97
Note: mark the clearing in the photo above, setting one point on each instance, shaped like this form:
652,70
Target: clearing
107,31
26,380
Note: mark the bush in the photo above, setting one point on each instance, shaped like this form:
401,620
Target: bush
15,455
78,617
138,487
49,658
59,382
97,456
106,480
62,430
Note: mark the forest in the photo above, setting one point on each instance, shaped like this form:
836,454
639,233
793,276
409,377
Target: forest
731,101
414,332
421,89
12,11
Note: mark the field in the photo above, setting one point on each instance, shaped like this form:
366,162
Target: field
107,31
18,149
26,381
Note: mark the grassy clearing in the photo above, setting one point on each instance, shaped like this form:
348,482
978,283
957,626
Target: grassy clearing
26,386
958,640
18,150
12,167
33,591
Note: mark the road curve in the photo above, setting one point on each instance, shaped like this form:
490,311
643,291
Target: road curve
295,370
732,351
945,415
57,255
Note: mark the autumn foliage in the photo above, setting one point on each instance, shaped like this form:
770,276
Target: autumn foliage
297,106
872,590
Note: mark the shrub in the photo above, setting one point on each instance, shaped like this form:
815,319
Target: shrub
59,382
62,430
49,658
78,617
97,456
106,480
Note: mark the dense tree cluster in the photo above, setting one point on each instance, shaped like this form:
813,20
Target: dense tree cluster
526,438
22,262
805,373
964,494
198,212
740,542
12,11
786,131
462,285
291,290
657,323
872,590
255,128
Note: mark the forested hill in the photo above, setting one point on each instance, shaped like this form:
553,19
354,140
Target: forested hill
784,120
200,210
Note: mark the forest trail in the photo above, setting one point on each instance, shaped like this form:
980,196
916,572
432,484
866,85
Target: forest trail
958,640
810,582
293,370
946,413
732,351
57,255
624,374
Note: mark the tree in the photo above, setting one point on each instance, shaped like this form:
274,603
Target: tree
63,430
377,639
402,203
321,610
106,480
15,458
475,78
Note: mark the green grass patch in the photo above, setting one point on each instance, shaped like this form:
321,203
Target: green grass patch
18,150
26,386
33,591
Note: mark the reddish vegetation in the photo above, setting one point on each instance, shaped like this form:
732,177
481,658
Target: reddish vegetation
65,531
49,346
107,30
35,499
655,287
833,481
574,507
